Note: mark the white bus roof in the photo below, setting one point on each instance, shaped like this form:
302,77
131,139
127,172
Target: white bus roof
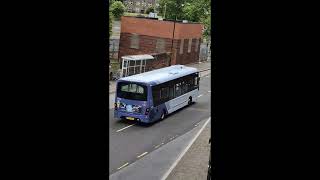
161,75
138,57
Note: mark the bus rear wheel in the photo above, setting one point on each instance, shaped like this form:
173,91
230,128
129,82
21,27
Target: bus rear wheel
163,115
190,101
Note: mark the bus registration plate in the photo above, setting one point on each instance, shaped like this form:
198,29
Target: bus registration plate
130,118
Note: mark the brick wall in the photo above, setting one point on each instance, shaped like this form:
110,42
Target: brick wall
151,30
164,29
147,45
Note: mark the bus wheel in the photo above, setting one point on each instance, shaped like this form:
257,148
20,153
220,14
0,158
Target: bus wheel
163,115
190,101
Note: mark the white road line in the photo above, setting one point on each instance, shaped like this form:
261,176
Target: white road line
200,95
123,166
142,154
209,91
125,128
157,146
185,150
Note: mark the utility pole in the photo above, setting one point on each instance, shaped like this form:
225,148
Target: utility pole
174,26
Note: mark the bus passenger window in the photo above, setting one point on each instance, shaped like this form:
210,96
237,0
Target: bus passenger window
184,88
164,93
171,93
178,90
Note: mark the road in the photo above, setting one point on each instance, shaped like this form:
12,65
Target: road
130,141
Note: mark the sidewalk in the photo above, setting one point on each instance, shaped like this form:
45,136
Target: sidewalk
194,164
204,68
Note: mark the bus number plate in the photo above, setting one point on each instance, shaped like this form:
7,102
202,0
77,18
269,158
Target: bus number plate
130,118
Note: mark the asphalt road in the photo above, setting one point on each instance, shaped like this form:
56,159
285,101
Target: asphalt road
130,141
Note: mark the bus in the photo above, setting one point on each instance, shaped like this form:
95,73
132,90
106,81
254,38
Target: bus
151,96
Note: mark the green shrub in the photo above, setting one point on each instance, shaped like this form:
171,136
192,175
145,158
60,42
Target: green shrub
117,9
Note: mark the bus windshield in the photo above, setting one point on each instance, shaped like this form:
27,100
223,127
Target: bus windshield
132,91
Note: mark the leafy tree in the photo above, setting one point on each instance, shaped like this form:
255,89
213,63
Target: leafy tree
110,23
172,9
207,25
117,9
191,10
150,9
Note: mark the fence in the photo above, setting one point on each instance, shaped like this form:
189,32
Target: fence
204,52
113,48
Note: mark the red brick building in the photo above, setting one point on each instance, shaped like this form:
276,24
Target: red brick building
152,36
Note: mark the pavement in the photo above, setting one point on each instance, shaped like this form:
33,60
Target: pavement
175,148
194,163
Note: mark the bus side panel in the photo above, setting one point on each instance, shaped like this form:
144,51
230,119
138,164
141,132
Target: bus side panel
181,101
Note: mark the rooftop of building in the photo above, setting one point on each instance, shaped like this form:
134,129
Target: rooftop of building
169,20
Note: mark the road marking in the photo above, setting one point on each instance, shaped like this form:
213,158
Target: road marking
185,150
125,128
198,109
123,166
200,95
209,91
142,154
157,146
171,138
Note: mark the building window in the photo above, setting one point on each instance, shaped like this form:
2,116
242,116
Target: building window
189,45
134,41
197,45
160,45
181,46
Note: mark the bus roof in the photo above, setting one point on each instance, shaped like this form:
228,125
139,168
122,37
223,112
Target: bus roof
162,75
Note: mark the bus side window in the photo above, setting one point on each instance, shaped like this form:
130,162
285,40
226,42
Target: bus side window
178,89
171,93
196,82
164,94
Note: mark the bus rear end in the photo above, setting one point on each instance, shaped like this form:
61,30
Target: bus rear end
132,101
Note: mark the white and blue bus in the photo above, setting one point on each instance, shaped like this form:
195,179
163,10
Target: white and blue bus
150,96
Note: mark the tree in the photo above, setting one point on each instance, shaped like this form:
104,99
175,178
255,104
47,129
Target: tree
207,25
110,23
171,9
117,9
191,10
150,9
